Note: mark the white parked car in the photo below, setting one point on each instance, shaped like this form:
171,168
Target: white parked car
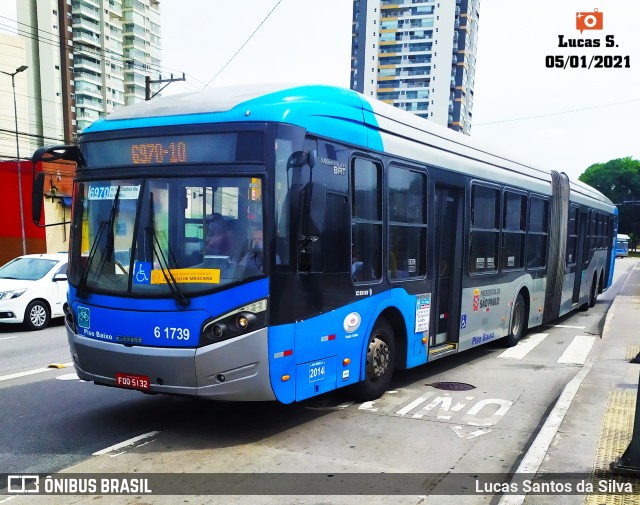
33,289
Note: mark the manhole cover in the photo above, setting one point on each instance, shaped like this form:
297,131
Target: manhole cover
451,386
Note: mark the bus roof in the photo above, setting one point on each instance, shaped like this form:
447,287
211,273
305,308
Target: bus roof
331,112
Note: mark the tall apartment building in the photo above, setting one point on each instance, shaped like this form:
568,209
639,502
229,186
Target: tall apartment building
417,55
86,58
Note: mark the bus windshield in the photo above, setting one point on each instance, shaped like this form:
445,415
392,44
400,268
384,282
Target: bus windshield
160,236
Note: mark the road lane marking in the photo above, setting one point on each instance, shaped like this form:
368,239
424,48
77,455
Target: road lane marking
6,338
414,404
564,326
578,350
69,377
532,460
523,347
124,444
28,372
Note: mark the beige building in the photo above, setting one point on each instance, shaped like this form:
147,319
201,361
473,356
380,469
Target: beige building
12,57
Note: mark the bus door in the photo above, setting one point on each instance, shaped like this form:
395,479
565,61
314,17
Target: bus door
582,250
447,264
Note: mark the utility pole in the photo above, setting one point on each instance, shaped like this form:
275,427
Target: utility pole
148,82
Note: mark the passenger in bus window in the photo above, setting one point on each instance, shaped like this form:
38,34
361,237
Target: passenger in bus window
359,272
255,254
217,239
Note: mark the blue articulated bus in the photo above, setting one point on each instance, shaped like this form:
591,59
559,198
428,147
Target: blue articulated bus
276,243
622,245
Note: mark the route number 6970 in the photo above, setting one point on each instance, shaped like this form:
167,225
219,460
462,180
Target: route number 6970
171,333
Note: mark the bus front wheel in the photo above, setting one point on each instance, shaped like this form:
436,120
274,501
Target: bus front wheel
380,362
517,322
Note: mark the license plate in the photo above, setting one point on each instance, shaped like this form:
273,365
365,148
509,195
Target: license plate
128,380
316,371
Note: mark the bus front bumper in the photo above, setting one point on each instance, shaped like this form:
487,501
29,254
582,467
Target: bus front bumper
233,370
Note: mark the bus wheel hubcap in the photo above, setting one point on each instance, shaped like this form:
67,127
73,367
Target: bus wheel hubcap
380,356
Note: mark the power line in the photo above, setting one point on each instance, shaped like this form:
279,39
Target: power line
24,134
559,113
100,54
245,43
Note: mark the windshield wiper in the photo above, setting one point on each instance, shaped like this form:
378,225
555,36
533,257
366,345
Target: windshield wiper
157,251
82,285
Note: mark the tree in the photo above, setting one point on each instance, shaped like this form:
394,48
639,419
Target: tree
619,180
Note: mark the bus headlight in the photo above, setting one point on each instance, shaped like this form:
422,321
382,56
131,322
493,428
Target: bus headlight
237,322
244,320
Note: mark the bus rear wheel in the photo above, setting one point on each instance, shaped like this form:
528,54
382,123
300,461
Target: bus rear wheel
594,292
380,362
517,322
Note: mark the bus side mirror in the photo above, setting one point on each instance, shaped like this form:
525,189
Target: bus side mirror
36,198
315,209
300,158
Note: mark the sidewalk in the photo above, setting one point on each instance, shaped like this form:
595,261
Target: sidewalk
598,426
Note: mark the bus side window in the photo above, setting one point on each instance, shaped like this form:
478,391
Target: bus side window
537,233
485,229
366,220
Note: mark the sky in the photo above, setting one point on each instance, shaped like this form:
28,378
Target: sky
309,41
561,119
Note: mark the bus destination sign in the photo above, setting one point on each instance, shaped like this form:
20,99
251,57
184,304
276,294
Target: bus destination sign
169,150
158,153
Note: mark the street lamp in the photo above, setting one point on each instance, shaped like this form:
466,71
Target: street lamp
22,68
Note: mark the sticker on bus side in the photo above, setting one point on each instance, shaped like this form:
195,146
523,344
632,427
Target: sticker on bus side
184,275
316,371
423,311
109,192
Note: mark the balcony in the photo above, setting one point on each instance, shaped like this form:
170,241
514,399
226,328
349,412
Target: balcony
80,63
89,103
85,24
91,3
115,9
80,36
87,11
90,78
415,73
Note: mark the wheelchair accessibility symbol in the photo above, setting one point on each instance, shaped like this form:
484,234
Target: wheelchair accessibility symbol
142,272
